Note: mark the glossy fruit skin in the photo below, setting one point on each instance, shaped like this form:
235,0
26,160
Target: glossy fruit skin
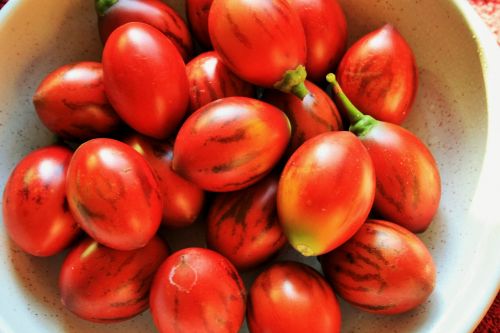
231,143
325,29
294,298
210,80
145,79
182,200
153,12
35,210
113,194
325,192
243,226
248,34
197,13
378,73
408,181
197,290
71,102
383,268
313,115
100,284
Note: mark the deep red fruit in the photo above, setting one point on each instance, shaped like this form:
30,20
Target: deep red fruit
35,210
243,226
197,290
113,194
182,200
261,41
294,298
105,285
72,103
313,115
383,268
325,28
145,79
378,73
112,14
197,13
210,80
231,143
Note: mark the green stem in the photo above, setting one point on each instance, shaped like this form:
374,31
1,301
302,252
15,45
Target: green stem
101,6
293,82
360,123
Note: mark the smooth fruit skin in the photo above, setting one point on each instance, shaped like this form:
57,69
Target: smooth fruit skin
325,192
145,79
243,226
210,80
113,194
182,200
72,103
313,115
378,73
231,143
258,40
383,268
153,12
35,210
197,290
197,12
408,181
100,284
290,297
325,29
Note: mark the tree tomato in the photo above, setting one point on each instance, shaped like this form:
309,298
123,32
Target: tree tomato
197,13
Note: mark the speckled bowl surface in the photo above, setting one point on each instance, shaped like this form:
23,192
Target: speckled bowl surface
457,113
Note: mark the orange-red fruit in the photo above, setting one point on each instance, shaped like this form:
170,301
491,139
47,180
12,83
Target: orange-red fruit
182,200
243,226
100,284
197,13
383,268
197,290
231,143
293,298
325,192
378,73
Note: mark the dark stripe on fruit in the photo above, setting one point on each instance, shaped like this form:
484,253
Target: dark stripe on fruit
237,32
381,192
178,40
363,277
416,191
246,181
233,274
263,25
221,51
208,87
373,307
174,19
238,135
86,213
371,250
342,286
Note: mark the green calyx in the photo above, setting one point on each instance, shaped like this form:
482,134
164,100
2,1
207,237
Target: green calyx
293,82
360,124
101,6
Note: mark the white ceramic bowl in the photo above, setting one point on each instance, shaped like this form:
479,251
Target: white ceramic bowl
457,113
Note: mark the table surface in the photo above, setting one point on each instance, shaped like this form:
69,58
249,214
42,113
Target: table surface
489,11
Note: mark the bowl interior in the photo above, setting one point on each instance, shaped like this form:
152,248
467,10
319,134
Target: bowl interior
450,115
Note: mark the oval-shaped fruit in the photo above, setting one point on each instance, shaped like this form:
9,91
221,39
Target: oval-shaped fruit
71,102
261,41
112,14
243,226
100,284
378,73
182,200
210,80
197,14
313,115
325,28
408,181
113,194
197,290
383,268
35,210
294,298
325,192
231,143
145,79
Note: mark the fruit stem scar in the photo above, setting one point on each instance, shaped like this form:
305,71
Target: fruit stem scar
293,82
103,5
183,277
360,124
304,250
